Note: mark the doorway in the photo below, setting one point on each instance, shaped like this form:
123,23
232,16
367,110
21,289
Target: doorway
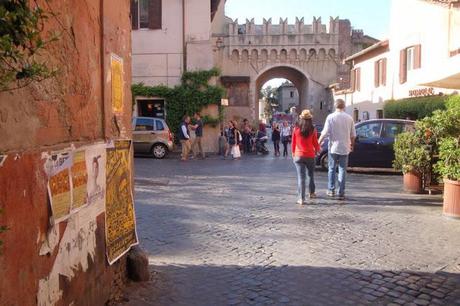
154,108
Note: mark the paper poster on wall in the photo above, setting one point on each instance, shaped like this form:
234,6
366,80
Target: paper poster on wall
120,219
95,163
79,180
58,166
117,83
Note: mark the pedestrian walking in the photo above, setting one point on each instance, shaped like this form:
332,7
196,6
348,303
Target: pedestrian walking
339,128
197,146
184,137
234,140
304,149
286,134
246,133
276,138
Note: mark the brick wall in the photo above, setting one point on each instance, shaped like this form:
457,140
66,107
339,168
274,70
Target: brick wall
72,109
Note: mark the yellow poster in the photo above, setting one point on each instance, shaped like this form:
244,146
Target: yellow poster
57,167
120,221
117,83
79,180
60,195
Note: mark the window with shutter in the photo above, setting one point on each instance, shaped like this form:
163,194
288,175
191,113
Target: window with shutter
417,57
358,79
403,66
155,14
377,74
352,79
410,58
135,14
384,72
144,14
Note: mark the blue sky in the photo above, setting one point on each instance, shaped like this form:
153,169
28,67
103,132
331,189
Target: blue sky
372,16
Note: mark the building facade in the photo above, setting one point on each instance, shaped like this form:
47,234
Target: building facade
308,55
53,160
288,97
413,62
168,38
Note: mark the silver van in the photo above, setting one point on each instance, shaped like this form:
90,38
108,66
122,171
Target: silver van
152,136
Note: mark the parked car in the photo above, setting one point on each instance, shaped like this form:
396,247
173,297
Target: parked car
374,143
152,136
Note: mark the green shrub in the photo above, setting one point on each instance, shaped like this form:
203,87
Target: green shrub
414,108
23,37
190,97
448,165
411,154
453,102
442,124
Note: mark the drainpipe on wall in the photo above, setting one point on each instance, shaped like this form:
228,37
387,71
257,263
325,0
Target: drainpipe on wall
184,44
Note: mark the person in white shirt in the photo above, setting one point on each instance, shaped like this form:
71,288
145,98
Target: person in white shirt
340,130
286,133
184,137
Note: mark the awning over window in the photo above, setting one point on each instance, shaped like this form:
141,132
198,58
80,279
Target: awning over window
447,76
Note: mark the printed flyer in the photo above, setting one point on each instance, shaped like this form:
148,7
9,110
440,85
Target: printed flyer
120,218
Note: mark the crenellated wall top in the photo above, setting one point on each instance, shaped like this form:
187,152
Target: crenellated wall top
267,28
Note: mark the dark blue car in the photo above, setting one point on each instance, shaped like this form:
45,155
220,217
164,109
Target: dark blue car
374,143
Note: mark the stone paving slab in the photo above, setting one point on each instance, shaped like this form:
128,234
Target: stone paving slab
230,233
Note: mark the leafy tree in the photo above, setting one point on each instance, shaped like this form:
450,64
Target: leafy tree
270,94
21,42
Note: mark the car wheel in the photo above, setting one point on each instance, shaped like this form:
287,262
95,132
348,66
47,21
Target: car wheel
324,162
159,151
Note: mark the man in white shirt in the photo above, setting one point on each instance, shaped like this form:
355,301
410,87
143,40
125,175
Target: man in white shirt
340,130
184,137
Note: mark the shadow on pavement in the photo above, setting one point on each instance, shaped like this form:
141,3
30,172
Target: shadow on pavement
289,285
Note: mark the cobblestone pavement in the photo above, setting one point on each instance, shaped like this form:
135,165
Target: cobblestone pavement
229,233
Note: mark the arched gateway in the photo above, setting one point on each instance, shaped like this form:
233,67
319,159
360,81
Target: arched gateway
310,56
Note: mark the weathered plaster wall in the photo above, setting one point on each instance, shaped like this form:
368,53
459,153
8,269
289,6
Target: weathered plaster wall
63,264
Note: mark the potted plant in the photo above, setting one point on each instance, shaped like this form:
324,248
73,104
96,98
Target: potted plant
448,167
413,158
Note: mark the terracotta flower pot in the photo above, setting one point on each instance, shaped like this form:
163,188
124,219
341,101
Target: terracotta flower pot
413,182
452,198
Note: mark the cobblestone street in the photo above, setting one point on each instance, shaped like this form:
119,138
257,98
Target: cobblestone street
223,232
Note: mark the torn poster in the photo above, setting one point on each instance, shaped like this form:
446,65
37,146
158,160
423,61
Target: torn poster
95,163
2,159
57,166
79,180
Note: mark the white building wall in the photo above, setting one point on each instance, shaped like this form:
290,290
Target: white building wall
416,22
413,22
158,54
285,98
369,98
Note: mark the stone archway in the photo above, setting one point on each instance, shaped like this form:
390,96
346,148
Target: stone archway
298,78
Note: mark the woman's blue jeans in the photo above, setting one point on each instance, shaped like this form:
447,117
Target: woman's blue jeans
304,166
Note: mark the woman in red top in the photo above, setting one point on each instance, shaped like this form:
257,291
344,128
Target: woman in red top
304,149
